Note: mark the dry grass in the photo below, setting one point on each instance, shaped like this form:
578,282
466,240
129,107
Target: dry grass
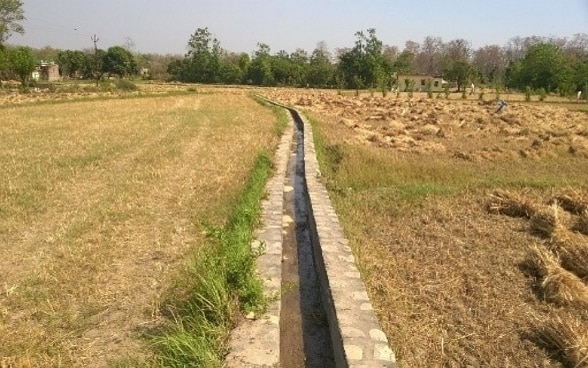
511,204
447,277
568,336
558,284
100,201
581,225
572,248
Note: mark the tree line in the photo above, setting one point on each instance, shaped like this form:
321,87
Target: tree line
552,65
556,65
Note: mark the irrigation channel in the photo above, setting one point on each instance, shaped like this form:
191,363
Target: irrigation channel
321,316
304,328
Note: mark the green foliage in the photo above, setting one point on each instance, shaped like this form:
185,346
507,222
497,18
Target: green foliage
202,63
542,94
11,14
119,61
125,85
364,65
429,88
446,90
22,63
219,282
544,66
71,63
528,94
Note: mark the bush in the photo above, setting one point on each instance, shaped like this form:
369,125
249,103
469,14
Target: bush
125,85
542,94
528,94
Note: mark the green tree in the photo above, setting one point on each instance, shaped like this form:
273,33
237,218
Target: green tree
364,64
260,70
456,65
22,63
71,63
176,68
204,58
11,14
94,65
545,65
119,61
320,69
4,64
404,63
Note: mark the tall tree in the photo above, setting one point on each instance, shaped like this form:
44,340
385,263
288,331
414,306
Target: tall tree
119,61
260,71
320,71
364,65
204,58
491,63
22,63
429,56
11,14
71,63
456,62
546,66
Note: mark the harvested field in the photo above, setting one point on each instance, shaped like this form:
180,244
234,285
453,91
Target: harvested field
100,202
444,203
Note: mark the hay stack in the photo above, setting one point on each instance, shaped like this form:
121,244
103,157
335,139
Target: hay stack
572,202
559,285
572,248
510,204
545,220
569,337
581,224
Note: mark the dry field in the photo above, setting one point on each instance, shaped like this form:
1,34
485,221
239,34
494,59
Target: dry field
100,202
469,226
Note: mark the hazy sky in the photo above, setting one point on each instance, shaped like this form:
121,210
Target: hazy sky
165,26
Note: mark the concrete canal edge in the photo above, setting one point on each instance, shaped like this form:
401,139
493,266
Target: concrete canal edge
357,338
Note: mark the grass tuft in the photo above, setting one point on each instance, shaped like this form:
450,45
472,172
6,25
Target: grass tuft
217,284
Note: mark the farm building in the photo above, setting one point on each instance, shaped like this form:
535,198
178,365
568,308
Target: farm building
47,71
419,82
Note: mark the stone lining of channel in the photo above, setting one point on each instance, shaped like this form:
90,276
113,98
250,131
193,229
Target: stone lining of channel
357,338
349,310
255,343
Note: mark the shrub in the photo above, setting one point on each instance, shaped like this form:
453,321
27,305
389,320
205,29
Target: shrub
528,94
542,94
125,85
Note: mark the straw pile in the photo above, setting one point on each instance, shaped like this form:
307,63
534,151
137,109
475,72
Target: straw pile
510,204
572,249
572,202
559,285
569,337
581,224
545,220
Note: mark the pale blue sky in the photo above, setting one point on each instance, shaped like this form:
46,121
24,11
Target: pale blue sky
165,26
